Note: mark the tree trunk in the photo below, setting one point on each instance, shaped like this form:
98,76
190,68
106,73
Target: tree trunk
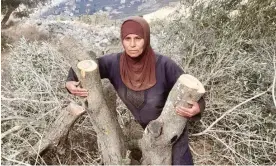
11,7
109,133
58,131
7,16
104,120
162,133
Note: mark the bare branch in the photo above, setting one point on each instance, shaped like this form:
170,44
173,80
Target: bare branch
229,111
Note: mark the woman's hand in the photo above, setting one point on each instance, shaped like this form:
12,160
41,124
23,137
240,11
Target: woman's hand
188,112
73,88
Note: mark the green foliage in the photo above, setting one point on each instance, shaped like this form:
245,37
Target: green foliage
255,19
5,4
100,18
13,4
24,13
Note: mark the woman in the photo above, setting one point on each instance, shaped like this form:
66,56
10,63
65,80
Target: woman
143,80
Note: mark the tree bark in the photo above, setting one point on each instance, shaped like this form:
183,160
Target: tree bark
7,16
109,133
160,134
104,120
58,131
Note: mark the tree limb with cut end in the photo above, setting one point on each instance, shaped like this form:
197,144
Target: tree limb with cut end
162,133
59,130
110,137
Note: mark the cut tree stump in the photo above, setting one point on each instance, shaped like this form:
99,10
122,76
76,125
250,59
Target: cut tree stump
110,137
104,120
58,131
160,134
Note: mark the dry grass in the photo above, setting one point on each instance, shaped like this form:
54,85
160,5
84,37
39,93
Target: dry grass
32,97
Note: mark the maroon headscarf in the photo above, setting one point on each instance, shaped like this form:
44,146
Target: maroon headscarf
138,73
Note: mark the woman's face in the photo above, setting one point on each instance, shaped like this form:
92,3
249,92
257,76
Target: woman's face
133,45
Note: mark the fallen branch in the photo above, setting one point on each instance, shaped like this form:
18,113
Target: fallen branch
58,131
274,81
110,137
162,133
14,129
104,120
